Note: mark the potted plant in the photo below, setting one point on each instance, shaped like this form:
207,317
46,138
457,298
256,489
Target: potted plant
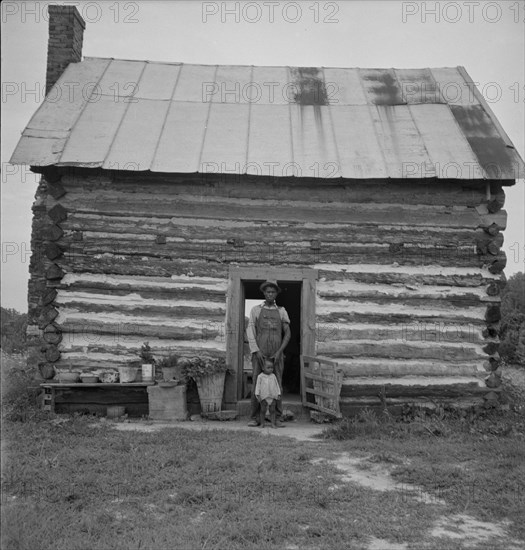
209,374
148,363
170,370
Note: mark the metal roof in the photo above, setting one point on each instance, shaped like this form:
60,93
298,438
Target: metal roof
304,121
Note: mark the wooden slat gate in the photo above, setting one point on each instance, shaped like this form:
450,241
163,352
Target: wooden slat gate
321,379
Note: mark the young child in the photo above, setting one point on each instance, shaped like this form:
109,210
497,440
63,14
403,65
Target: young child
267,391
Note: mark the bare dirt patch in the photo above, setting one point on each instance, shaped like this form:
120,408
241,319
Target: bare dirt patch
376,475
472,532
462,528
295,430
383,544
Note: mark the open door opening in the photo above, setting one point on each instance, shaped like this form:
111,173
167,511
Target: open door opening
290,299
298,297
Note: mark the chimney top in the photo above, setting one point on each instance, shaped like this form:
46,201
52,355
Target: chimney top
66,34
71,11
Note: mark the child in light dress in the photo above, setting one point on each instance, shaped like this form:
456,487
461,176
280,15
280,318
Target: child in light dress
267,391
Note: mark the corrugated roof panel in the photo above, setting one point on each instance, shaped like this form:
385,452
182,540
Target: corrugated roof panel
357,143
37,151
269,142
121,78
97,127
226,139
381,86
196,83
399,140
343,87
418,86
137,137
68,96
232,84
180,143
447,147
158,81
271,86
498,160
314,147
453,88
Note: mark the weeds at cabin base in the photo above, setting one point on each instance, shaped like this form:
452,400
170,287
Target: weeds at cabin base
504,418
20,392
441,422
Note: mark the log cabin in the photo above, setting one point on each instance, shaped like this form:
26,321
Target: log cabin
170,191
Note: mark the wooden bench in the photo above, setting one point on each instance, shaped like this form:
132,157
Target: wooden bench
73,397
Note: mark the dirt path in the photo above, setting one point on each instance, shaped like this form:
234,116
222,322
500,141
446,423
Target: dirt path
302,431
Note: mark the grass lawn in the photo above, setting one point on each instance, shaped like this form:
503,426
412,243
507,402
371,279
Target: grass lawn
74,486
77,483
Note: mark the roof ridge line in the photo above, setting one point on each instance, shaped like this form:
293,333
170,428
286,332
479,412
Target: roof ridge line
288,65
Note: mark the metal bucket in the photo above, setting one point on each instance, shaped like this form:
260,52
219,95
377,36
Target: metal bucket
127,374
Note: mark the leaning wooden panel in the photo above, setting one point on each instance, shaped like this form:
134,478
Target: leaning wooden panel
326,382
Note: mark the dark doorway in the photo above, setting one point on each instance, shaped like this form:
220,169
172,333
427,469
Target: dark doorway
290,299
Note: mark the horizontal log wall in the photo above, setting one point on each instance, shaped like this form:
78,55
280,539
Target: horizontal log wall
409,273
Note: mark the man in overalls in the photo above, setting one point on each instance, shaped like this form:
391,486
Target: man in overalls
268,334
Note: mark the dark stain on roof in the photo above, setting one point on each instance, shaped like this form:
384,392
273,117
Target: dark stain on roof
485,141
309,85
384,88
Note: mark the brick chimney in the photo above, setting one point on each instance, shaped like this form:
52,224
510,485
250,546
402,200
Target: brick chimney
66,33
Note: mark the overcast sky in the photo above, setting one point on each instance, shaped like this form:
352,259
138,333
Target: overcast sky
487,38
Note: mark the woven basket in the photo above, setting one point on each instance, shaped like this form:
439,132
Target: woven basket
211,390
